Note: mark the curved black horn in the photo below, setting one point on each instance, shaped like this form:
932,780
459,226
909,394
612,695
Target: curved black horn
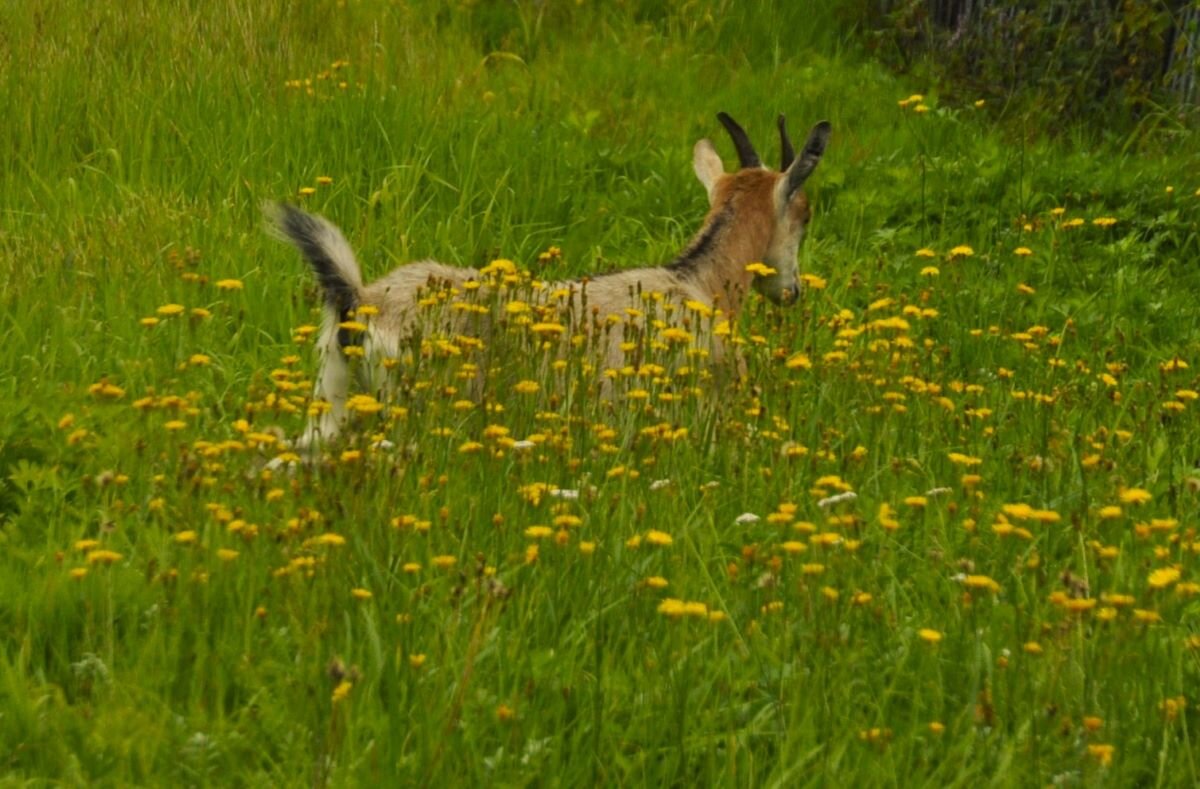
809,158
787,152
745,151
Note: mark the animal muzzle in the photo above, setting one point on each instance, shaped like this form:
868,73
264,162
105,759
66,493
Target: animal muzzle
787,294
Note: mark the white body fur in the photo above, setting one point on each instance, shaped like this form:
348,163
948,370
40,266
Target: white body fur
756,215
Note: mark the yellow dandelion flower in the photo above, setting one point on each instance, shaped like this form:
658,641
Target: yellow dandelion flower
981,582
656,582
962,251
1135,496
925,252
1163,577
671,607
655,537
799,361
444,562
1103,753
103,556
417,660
229,284
760,270
185,537
168,310
361,594
1109,512
1023,252
499,266
930,635
342,691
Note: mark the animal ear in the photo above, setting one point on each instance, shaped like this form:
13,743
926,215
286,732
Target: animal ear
809,157
707,164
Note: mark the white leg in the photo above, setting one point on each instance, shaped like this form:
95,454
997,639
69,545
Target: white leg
332,386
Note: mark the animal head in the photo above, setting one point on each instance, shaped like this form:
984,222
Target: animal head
770,206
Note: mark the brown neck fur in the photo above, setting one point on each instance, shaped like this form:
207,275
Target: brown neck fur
736,232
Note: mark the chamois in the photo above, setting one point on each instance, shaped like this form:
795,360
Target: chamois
756,215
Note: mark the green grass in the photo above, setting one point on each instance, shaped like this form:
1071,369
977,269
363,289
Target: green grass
139,145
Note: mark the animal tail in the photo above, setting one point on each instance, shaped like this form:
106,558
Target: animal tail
327,252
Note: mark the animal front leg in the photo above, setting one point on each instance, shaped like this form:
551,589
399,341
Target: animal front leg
327,413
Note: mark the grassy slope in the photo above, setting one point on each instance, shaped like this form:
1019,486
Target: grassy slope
139,145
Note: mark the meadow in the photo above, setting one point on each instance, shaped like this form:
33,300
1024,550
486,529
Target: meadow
944,532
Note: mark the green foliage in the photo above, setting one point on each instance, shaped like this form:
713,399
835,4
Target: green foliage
1103,64
173,612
